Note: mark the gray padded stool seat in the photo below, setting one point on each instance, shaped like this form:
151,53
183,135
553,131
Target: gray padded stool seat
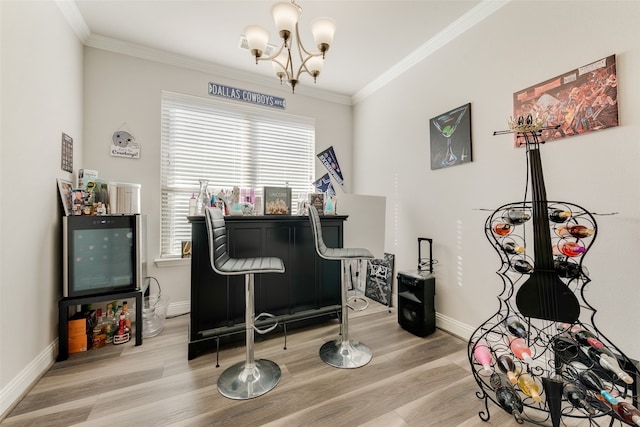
341,352
250,378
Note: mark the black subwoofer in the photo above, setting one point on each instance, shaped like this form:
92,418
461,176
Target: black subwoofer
416,309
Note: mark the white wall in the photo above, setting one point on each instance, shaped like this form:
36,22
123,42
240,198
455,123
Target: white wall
122,89
524,43
41,88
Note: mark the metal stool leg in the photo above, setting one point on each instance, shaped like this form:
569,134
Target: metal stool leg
343,352
250,378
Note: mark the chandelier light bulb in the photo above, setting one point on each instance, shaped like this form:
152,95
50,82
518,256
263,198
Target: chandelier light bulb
314,65
285,16
257,39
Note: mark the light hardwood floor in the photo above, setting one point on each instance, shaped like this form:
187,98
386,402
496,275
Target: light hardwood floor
411,381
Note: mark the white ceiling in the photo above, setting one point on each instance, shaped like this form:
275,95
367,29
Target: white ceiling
371,38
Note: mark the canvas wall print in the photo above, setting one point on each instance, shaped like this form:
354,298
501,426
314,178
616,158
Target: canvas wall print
277,201
450,135
579,101
380,279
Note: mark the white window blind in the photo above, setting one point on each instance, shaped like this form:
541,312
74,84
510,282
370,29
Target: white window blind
229,145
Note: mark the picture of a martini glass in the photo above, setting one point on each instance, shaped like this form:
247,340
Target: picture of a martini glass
447,125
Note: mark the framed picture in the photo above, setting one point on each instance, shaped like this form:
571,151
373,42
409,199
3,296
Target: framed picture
579,101
316,200
277,201
65,188
450,136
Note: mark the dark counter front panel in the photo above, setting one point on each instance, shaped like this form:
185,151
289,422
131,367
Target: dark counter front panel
310,286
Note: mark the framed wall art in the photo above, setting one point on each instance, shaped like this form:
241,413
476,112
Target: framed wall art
579,101
65,188
450,136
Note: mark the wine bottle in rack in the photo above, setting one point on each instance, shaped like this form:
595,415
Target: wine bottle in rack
512,248
577,396
585,337
515,326
506,365
507,396
502,229
578,231
627,412
566,269
559,216
594,383
572,249
608,361
517,216
530,386
522,266
520,349
483,356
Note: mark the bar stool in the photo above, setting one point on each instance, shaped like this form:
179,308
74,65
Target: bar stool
250,378
341,352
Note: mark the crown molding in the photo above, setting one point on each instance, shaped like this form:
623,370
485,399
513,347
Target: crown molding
483,10
74,18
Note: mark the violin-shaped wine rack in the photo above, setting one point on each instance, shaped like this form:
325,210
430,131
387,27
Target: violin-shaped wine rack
540,357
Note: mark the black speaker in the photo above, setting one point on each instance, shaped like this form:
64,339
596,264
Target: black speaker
416,309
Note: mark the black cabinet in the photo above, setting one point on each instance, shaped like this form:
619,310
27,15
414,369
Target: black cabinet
309,287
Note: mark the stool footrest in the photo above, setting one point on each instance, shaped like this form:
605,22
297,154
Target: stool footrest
356,298
262,316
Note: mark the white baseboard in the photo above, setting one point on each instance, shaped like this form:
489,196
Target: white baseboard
19,385
454,327
178,308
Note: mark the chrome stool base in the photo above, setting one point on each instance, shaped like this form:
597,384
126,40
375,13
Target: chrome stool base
345,354
240,382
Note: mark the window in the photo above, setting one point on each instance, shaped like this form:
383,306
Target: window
229,145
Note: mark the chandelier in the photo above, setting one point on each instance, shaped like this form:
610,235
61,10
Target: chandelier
286,17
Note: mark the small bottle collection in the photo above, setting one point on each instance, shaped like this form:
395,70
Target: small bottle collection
237,201
540,357
91,196
100,327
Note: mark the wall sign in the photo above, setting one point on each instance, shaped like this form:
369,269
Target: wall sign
244,95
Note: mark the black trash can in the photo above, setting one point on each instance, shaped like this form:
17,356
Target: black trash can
416,308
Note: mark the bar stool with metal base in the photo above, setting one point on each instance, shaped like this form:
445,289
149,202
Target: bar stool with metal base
250,378
341,352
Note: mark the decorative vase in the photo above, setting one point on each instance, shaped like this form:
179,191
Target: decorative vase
203,197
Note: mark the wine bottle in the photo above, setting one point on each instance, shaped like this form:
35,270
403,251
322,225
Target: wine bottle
517,216
515,326
577,231
512,248
559,216
577,396
567,269
507,396
585,337
594,383
530,386
608,361
522,266
502,229
627,412
572,249
506,365
520,349
483,356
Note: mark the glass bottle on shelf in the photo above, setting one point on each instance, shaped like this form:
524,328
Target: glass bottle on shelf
203,199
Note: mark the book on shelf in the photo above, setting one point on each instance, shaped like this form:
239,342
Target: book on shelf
277,201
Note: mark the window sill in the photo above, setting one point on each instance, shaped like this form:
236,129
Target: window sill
172,262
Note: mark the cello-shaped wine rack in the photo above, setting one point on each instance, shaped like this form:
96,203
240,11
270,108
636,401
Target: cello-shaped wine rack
562,348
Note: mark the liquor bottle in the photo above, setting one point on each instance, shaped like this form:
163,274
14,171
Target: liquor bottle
507,396
512,248
522,266
627,412
193,205
506,365
572,249
530,386
502,229
559,216
585,337
520,349
109,324
608,361
515,326
127,314
577,396
517,216
99,339
483,356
